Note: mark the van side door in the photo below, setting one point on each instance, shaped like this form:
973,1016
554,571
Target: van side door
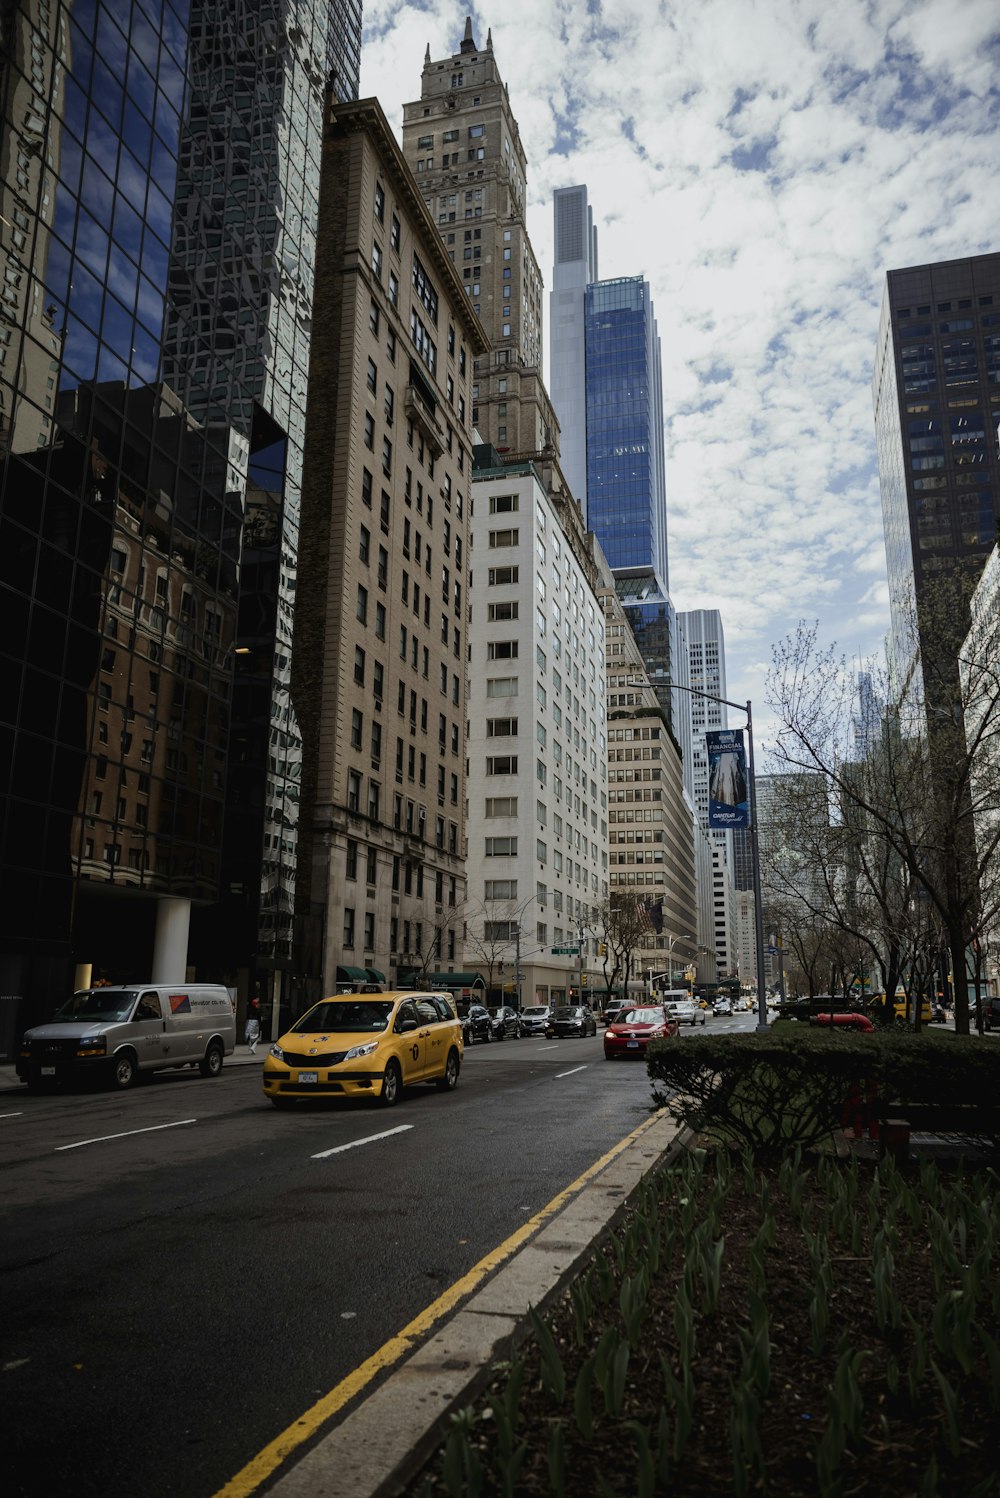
147,1029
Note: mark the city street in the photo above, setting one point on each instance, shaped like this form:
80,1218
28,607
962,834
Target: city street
186,1271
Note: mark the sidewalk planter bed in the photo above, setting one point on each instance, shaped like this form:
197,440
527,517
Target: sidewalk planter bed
814,1327
772,1092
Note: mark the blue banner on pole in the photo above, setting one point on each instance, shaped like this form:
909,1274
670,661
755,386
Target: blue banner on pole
728,787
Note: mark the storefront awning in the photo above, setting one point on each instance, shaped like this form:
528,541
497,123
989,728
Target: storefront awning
375,975
353,975
452,980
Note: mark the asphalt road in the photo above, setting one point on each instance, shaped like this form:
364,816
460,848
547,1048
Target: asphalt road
174,1299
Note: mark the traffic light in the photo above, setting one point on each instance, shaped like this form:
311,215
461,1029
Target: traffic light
584,978
602,949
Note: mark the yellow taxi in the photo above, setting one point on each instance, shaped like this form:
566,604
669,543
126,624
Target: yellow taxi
366,1045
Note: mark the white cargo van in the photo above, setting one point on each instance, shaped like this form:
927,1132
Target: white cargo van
118,1032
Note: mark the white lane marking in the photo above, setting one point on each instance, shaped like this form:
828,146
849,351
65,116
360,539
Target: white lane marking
11,1115
548,1048
570,1073
338,1149
103,1138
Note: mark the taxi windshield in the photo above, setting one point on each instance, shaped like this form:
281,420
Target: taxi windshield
99,1003
349,1016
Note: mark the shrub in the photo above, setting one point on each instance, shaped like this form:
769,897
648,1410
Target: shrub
776,1091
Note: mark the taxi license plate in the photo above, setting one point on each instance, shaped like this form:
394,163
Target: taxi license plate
308,1076
47,1071
632,1045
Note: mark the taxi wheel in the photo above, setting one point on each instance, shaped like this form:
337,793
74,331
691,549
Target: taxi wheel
282,1102
392,1085
449,1081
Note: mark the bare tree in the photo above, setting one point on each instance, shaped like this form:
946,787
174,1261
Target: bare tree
619,922
929,793
493,937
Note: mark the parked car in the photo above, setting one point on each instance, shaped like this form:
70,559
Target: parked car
116,1033
685,1012
476,1024
633,1029
506,1025
613,1008
536,1019
575,1019
366,1045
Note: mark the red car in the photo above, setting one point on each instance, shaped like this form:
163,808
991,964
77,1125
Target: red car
633,1029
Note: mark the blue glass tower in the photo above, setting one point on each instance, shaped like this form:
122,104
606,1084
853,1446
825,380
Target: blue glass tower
614,456
626,494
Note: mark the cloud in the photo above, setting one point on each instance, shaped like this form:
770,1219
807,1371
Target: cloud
763,165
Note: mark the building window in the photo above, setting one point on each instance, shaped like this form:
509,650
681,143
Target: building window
359,666
380,201
348,927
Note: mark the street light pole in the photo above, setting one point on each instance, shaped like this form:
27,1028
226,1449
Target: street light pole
670,953
745,707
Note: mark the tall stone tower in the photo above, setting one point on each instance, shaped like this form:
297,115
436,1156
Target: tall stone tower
462,143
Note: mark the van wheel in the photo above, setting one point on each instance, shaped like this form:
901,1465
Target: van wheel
125,1071
449,1081
212,1064
392,1085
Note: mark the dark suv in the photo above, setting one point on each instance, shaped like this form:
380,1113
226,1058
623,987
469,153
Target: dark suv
476,1023
506,1025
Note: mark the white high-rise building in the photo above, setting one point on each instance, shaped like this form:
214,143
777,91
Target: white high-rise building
537,745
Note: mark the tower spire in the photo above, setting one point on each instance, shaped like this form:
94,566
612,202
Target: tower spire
468,40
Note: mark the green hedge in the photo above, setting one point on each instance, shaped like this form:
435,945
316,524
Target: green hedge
776,1091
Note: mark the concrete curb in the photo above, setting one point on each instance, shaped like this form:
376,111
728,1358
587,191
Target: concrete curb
385,1441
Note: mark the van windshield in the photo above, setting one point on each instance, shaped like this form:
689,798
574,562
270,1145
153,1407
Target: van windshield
98,1004
345,1015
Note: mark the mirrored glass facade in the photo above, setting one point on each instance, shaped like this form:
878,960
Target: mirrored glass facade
626,488
159,171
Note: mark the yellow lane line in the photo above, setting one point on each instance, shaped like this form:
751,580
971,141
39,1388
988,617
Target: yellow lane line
268,1460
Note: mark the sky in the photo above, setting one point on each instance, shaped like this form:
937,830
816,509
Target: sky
762,163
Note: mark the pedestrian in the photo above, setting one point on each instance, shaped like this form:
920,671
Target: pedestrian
252,1030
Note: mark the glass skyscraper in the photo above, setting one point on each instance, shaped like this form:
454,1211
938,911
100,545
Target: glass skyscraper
159,173
936,393
626,490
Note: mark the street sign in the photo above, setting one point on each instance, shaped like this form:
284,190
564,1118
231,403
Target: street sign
565,951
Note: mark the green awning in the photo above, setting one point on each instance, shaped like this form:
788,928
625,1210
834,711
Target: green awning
374,976
352,975
452,980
